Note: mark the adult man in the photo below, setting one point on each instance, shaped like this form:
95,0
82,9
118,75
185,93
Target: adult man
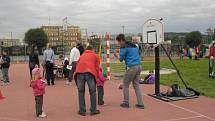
74,56
49,58
87,70
130,54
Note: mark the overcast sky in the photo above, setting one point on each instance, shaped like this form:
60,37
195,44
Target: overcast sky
100,16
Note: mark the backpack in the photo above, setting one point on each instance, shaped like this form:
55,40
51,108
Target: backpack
178,92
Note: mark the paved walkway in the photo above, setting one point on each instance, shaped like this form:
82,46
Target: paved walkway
60,103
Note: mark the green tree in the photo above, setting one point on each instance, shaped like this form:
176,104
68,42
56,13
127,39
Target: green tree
36,37
193,39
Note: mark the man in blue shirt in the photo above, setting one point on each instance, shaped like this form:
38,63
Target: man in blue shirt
130,54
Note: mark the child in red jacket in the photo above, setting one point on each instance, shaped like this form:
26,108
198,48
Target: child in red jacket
38,85
100,87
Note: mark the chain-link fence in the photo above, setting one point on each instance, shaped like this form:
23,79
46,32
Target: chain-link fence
19,51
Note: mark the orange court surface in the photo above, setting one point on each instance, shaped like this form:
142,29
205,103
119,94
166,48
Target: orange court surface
61,103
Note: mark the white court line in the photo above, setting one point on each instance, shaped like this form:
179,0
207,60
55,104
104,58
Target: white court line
12,119
178,119
188,110
179,107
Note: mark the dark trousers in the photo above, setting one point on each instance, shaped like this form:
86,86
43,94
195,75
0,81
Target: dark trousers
81,80
39,105
66,72
71,73
100,90
5,75
31,72
50,73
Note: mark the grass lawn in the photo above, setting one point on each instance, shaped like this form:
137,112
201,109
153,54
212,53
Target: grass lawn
194,72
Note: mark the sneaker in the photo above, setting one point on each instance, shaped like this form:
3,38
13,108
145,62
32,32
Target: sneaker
68,83
43,115
82,113
95,112
139,106
101,103
124,105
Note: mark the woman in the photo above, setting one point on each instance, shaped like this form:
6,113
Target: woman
33,59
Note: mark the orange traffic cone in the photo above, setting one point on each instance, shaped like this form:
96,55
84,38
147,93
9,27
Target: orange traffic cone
1,96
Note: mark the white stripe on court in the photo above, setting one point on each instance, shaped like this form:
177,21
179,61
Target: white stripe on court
188,110
178,119
179,107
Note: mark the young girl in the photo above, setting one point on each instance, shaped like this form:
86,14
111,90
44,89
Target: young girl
100,87
38,85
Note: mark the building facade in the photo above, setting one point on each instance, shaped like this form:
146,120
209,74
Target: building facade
9,42
58,37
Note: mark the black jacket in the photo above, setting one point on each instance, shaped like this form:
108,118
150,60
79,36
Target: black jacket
6,60
34,59
81,49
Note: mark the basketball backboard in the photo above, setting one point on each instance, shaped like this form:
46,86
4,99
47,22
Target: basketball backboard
153,32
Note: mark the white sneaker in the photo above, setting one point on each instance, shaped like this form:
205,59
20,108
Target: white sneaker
68,83
43,115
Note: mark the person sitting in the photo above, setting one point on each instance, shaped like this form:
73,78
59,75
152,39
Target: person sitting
149,79
65,69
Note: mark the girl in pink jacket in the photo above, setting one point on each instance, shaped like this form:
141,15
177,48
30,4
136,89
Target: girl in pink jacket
100,87
38,85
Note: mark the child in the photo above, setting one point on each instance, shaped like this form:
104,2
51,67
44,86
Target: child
100,87
38,85
65,69
149,79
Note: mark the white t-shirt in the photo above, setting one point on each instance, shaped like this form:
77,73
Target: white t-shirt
74,55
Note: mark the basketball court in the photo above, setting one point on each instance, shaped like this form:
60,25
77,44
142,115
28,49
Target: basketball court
61,103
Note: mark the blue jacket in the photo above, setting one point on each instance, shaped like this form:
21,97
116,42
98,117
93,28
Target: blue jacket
130,54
